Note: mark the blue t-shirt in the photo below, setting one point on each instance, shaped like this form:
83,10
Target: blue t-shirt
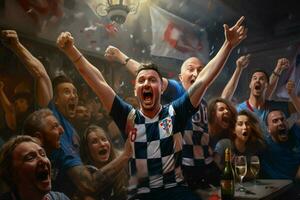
172,92
196,151
156,162
269,106
282,160
66,156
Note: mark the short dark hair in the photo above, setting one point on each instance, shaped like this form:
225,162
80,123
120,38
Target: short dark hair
262,71
60,79
6,160
273,110
149,66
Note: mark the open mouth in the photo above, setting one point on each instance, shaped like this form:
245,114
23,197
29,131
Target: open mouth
192,81
71,106
102,152
245,133
257,87
147,96
226,118
42,175
282,132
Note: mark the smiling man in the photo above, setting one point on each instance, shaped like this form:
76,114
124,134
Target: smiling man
25,167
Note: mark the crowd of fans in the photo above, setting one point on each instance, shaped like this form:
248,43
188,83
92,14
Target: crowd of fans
71,146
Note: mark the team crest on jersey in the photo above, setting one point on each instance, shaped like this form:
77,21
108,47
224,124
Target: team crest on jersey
166,125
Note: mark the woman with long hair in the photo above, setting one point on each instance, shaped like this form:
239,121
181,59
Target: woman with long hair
96,149
247,138
221,120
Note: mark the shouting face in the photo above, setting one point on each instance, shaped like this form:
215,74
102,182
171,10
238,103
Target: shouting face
223,115
258,84
148,89
242,128
189,71
278,126
99,147
66,99
31,168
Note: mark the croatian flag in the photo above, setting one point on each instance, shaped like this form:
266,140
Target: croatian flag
175,37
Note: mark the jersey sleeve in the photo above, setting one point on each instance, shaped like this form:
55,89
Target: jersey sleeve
119,112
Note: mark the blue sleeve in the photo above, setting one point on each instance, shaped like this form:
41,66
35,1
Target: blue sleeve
296,129
119,112
64,160
241,106
172,92
184,110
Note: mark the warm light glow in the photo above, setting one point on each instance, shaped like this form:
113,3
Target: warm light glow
117,10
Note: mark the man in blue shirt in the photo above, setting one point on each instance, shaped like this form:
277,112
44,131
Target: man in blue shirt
62,100
281,158
261,89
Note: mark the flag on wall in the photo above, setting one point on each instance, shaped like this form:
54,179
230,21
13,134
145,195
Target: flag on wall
292,75
175,37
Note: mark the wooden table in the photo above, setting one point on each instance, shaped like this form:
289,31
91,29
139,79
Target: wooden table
264,189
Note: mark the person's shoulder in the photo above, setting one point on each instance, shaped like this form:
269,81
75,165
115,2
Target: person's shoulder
242,104
295,129
224,142
57,196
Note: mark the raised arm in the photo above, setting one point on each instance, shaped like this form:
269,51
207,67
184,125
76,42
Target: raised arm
99,181
233,36
282,64
241,63
10,116
290,86
114,54
89,72
33,65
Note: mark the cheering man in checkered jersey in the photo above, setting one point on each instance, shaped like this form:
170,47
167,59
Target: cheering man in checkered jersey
155,168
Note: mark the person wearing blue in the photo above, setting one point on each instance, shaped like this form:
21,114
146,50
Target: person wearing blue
45,127
261,89
281,158
155,168
70,175
198,166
